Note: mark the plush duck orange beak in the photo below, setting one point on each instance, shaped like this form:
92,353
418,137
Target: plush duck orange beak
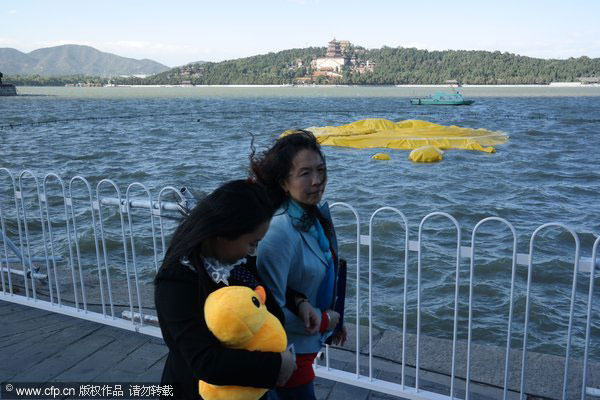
260,291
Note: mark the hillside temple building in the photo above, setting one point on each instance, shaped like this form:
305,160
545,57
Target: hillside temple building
335,59
339,55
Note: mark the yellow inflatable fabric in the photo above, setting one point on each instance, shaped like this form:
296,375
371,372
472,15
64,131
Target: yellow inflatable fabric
406,135
381,156
238,317
426,154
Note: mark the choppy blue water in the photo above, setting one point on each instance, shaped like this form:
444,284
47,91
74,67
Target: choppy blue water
549,171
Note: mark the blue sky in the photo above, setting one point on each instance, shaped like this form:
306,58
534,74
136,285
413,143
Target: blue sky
178,32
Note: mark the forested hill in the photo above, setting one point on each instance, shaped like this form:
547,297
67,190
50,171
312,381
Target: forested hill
272,68
392,66
406,66
71,59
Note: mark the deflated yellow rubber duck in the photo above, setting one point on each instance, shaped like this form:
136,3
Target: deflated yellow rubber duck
238,317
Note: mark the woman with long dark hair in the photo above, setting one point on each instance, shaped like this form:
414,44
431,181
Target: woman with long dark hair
208,251
299,253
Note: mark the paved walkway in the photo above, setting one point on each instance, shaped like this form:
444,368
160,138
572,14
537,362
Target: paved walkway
41,346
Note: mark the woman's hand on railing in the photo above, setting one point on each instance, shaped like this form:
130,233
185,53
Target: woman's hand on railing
309,316
334,319
339,337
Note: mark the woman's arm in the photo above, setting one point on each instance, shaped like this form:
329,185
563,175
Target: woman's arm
309,315
277,255
207,358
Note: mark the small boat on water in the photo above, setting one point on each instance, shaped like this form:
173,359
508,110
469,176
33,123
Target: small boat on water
442,99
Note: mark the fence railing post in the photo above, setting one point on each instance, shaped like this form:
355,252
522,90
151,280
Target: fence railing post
510,309
589,318
404,305
527,306
133,253
457,281
357,219
26,225
50,234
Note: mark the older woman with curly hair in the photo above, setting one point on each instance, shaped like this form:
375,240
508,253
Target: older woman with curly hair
298,257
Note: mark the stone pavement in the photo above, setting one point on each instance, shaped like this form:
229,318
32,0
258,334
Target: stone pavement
41,346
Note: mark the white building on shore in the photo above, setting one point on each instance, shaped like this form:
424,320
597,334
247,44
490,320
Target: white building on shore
334,60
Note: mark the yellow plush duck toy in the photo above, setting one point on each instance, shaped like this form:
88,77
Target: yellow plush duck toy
238,317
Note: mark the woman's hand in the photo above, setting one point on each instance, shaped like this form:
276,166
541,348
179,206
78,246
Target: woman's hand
339,338
310,316
288,366
334,319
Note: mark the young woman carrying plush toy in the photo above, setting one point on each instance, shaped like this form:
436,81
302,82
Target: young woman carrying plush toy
206,253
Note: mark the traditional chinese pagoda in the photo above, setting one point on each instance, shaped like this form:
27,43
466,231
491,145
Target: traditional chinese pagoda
334,50
334,59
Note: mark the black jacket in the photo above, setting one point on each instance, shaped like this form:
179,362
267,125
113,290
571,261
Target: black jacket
194,352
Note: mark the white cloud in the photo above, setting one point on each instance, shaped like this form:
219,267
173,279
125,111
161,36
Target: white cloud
12,12
166,53
417,45
171,54
304,2
53,43
561,50
149,46
8,42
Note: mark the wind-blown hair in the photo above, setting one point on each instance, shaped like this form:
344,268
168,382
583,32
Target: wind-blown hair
233,209
273,166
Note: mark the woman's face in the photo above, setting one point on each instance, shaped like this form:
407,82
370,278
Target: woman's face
306,180
229,251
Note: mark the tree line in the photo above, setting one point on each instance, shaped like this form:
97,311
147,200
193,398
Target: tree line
39,80
393,66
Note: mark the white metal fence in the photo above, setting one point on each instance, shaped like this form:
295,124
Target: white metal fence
58,238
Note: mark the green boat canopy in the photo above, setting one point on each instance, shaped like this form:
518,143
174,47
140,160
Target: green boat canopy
406,135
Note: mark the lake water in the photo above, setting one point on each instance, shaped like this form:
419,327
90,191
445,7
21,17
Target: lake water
549,171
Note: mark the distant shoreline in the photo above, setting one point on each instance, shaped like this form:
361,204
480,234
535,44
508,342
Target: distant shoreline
556,85
551,85
408,91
